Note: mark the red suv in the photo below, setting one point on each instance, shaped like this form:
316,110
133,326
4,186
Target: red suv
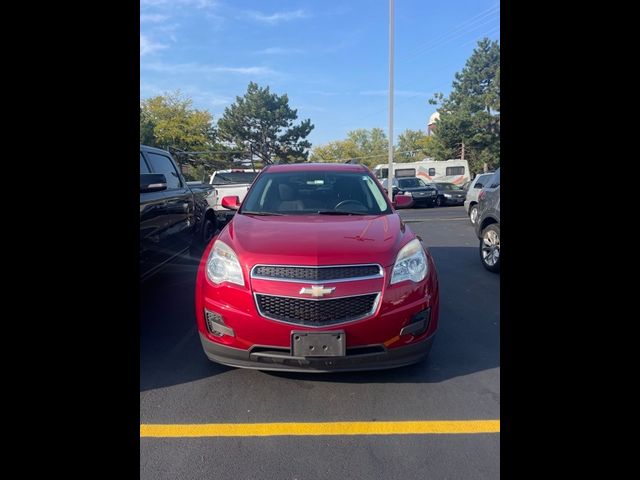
316,272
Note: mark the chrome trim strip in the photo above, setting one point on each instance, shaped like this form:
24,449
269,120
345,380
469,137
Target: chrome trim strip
361,317
380,273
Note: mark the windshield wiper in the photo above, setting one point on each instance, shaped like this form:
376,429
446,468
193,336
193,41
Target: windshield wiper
261,213
339,212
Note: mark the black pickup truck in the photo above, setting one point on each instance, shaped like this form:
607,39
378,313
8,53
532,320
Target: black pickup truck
174,219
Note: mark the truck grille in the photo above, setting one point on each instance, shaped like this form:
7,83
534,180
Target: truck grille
316,313
315,274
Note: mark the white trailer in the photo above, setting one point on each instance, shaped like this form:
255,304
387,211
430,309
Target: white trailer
450,171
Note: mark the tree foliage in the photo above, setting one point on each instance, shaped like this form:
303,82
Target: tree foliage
471,113
413,146
263,122
369,147
170,121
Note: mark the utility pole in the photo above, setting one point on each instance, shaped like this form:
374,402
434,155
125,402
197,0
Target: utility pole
462,154
390,174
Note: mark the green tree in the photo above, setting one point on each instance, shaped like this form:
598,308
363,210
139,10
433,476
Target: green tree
170,122
147,127
413,146
264,122
176,124
368,147
470,116
338,151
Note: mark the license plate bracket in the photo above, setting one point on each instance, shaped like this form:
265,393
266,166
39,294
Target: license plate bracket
319,344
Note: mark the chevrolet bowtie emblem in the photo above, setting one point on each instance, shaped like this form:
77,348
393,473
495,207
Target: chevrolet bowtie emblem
317,290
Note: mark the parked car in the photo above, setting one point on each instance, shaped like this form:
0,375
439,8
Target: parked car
488,224
423,194
316,272
174,219
471,201
226,183
209,191
449,194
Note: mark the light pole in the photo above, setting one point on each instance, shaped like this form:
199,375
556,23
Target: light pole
390,173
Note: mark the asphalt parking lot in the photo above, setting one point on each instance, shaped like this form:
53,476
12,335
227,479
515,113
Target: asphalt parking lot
459,381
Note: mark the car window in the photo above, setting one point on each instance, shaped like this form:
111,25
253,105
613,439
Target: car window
163,164
228,178
315,192
495,180
482,180
410,182
144,168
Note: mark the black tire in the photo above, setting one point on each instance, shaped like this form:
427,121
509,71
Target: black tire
471,210
488,256
208,230
439,202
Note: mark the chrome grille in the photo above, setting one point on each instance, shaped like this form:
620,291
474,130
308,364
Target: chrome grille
311,274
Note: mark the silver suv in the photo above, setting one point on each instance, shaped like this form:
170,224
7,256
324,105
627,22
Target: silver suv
488,224
471,203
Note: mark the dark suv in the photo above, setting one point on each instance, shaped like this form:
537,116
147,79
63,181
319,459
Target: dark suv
174,219
488,225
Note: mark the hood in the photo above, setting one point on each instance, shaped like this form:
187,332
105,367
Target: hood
316,239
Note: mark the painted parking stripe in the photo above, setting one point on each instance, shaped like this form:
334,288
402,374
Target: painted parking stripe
315,429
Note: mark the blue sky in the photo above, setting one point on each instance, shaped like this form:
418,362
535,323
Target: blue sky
329,56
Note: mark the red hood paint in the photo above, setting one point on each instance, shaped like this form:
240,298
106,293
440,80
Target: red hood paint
316,239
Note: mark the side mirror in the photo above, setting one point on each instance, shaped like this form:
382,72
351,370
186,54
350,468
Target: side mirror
402,201
152,182
232,203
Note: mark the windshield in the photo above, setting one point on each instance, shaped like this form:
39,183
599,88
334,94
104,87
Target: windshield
228,178
448,186
411,182
308,193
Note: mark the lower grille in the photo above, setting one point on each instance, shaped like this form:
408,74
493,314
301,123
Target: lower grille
316,313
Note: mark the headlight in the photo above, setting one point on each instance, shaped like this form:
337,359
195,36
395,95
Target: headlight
223,265
411,263
448,195
409,194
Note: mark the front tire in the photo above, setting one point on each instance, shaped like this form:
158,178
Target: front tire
490,248
473,214
208,230
439,202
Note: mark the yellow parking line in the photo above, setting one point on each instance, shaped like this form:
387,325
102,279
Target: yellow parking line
313,429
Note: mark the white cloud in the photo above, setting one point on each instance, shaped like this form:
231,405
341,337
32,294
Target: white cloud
152,18
279,51
149,46
196,68
277,17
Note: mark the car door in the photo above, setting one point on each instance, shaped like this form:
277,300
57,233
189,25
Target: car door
153,213
179,219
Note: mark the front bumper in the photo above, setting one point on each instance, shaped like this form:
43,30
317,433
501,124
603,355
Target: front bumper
453,201
372,357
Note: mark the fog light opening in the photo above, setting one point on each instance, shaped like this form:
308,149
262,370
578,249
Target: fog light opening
215,324
418,323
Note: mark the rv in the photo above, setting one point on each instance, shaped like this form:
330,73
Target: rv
450,171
